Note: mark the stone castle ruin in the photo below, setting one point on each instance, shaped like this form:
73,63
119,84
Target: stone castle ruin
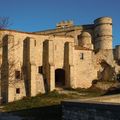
66,57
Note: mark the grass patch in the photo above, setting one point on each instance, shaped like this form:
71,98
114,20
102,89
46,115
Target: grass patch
46,106
48,99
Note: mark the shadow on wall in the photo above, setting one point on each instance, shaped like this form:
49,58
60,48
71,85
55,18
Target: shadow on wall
45,65
26,64
8,66
4,70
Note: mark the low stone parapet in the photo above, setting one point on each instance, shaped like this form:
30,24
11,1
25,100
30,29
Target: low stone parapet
90,110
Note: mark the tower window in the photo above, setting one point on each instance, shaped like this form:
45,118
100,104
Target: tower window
17,90
81,56
40,69
55,47
34,42
78,37
17,74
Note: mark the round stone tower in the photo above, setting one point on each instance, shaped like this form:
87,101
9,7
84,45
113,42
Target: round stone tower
85,40
103,33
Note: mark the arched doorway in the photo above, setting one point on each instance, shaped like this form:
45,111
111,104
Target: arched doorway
59,77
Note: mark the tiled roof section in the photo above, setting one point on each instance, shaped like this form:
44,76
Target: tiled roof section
31,33
54,31
68,29
81,48
15,31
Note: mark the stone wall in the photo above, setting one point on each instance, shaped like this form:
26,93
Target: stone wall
77,110
38,55
107,55
84,71
28,58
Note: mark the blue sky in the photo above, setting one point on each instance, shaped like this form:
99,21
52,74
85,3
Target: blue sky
35,15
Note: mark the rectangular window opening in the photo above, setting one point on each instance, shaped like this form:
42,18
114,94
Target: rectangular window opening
40,69
81,56
17,74
34,42
55,47
17,90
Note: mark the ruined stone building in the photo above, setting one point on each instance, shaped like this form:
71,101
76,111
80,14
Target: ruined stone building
66,57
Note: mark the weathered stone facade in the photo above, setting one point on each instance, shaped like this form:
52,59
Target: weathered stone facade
68,56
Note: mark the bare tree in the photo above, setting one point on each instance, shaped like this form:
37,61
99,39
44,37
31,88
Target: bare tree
4,22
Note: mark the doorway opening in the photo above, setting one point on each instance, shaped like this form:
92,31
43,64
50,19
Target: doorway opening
59,77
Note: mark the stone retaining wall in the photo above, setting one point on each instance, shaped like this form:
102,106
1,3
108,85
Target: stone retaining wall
74,110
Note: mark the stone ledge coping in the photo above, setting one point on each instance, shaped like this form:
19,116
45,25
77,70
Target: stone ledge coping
90,105
96,100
